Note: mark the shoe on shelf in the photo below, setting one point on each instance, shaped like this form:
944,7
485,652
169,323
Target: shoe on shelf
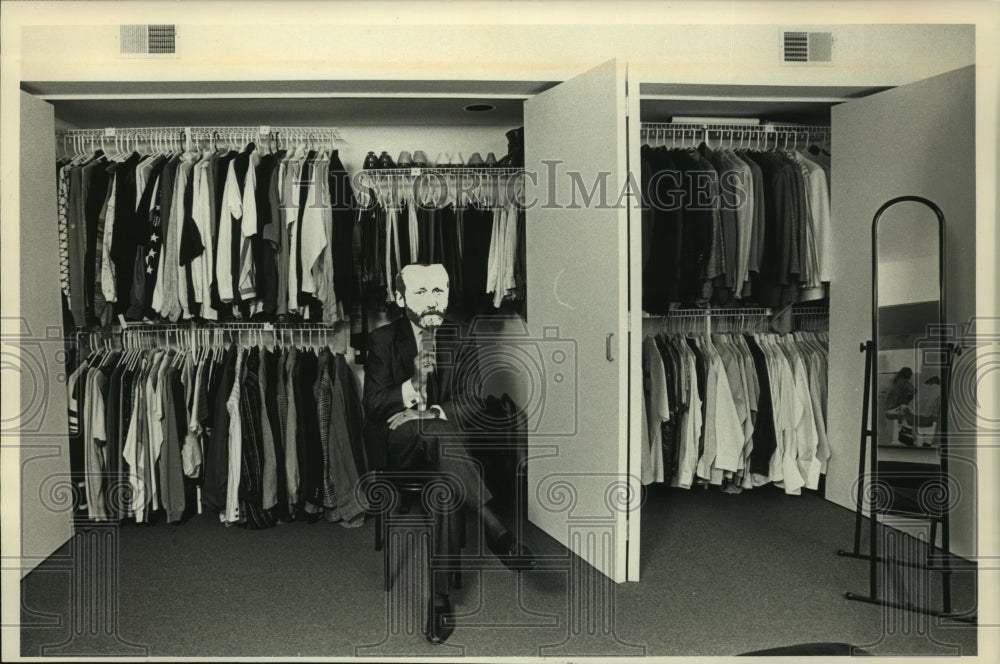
419,158
443,160
371,161
385,161
475,161
440,619
405,160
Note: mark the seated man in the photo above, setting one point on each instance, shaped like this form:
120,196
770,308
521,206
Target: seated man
420,394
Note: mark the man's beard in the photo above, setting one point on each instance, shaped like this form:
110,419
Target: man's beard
429,318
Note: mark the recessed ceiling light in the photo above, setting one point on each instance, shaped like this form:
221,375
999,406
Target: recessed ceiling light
479,108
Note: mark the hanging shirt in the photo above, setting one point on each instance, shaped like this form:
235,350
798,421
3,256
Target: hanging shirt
191,452
414,231
232,511
691,426
248,229
95,440
322,235
817,381
819,193
170,465
291,431
131,456
789,411
232,207
744,203
108,276
392,263
733,369
290,210
202,268
155,422
278,234
658,410
186,243
805,426
269,468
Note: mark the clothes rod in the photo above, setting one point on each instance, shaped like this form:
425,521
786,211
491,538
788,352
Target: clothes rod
699,313
767,127
406,171
701,120
199,327
202,132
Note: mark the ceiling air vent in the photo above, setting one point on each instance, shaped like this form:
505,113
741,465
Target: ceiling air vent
148,40
807,46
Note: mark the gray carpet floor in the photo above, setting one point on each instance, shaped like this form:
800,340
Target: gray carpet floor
720,575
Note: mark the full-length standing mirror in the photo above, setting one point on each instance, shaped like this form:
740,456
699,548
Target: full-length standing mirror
907,372
908,311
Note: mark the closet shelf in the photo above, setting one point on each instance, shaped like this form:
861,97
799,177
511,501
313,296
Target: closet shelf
768,127
696,313
764,130
811,311
202,132
206,325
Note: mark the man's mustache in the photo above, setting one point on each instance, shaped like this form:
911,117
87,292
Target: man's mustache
432,312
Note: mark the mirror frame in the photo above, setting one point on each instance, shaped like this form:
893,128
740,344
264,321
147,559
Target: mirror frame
942,320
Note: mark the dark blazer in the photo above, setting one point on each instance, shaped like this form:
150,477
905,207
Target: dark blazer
455,386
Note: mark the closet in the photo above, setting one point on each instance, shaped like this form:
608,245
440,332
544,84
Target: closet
381,218
585,470
281,242
583,337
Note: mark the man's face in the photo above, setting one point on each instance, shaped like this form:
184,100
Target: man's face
426,297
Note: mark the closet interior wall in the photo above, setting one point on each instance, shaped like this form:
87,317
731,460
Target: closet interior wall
393,132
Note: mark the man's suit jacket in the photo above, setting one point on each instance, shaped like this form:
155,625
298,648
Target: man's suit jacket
455,385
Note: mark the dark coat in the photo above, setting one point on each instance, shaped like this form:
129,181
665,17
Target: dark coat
455,386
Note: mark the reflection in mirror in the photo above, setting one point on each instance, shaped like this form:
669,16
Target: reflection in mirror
908,387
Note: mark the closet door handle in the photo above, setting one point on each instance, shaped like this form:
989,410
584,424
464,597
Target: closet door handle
607,349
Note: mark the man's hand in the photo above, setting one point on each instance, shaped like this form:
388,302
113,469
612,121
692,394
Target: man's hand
402,417
424,365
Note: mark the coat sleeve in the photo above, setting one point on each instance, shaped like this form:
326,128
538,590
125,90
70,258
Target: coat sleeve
382,397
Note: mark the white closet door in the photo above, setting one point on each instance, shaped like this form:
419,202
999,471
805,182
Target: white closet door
916,139
36,338
577,262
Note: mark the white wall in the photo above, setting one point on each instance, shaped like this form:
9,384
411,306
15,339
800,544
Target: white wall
325,46
929,128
